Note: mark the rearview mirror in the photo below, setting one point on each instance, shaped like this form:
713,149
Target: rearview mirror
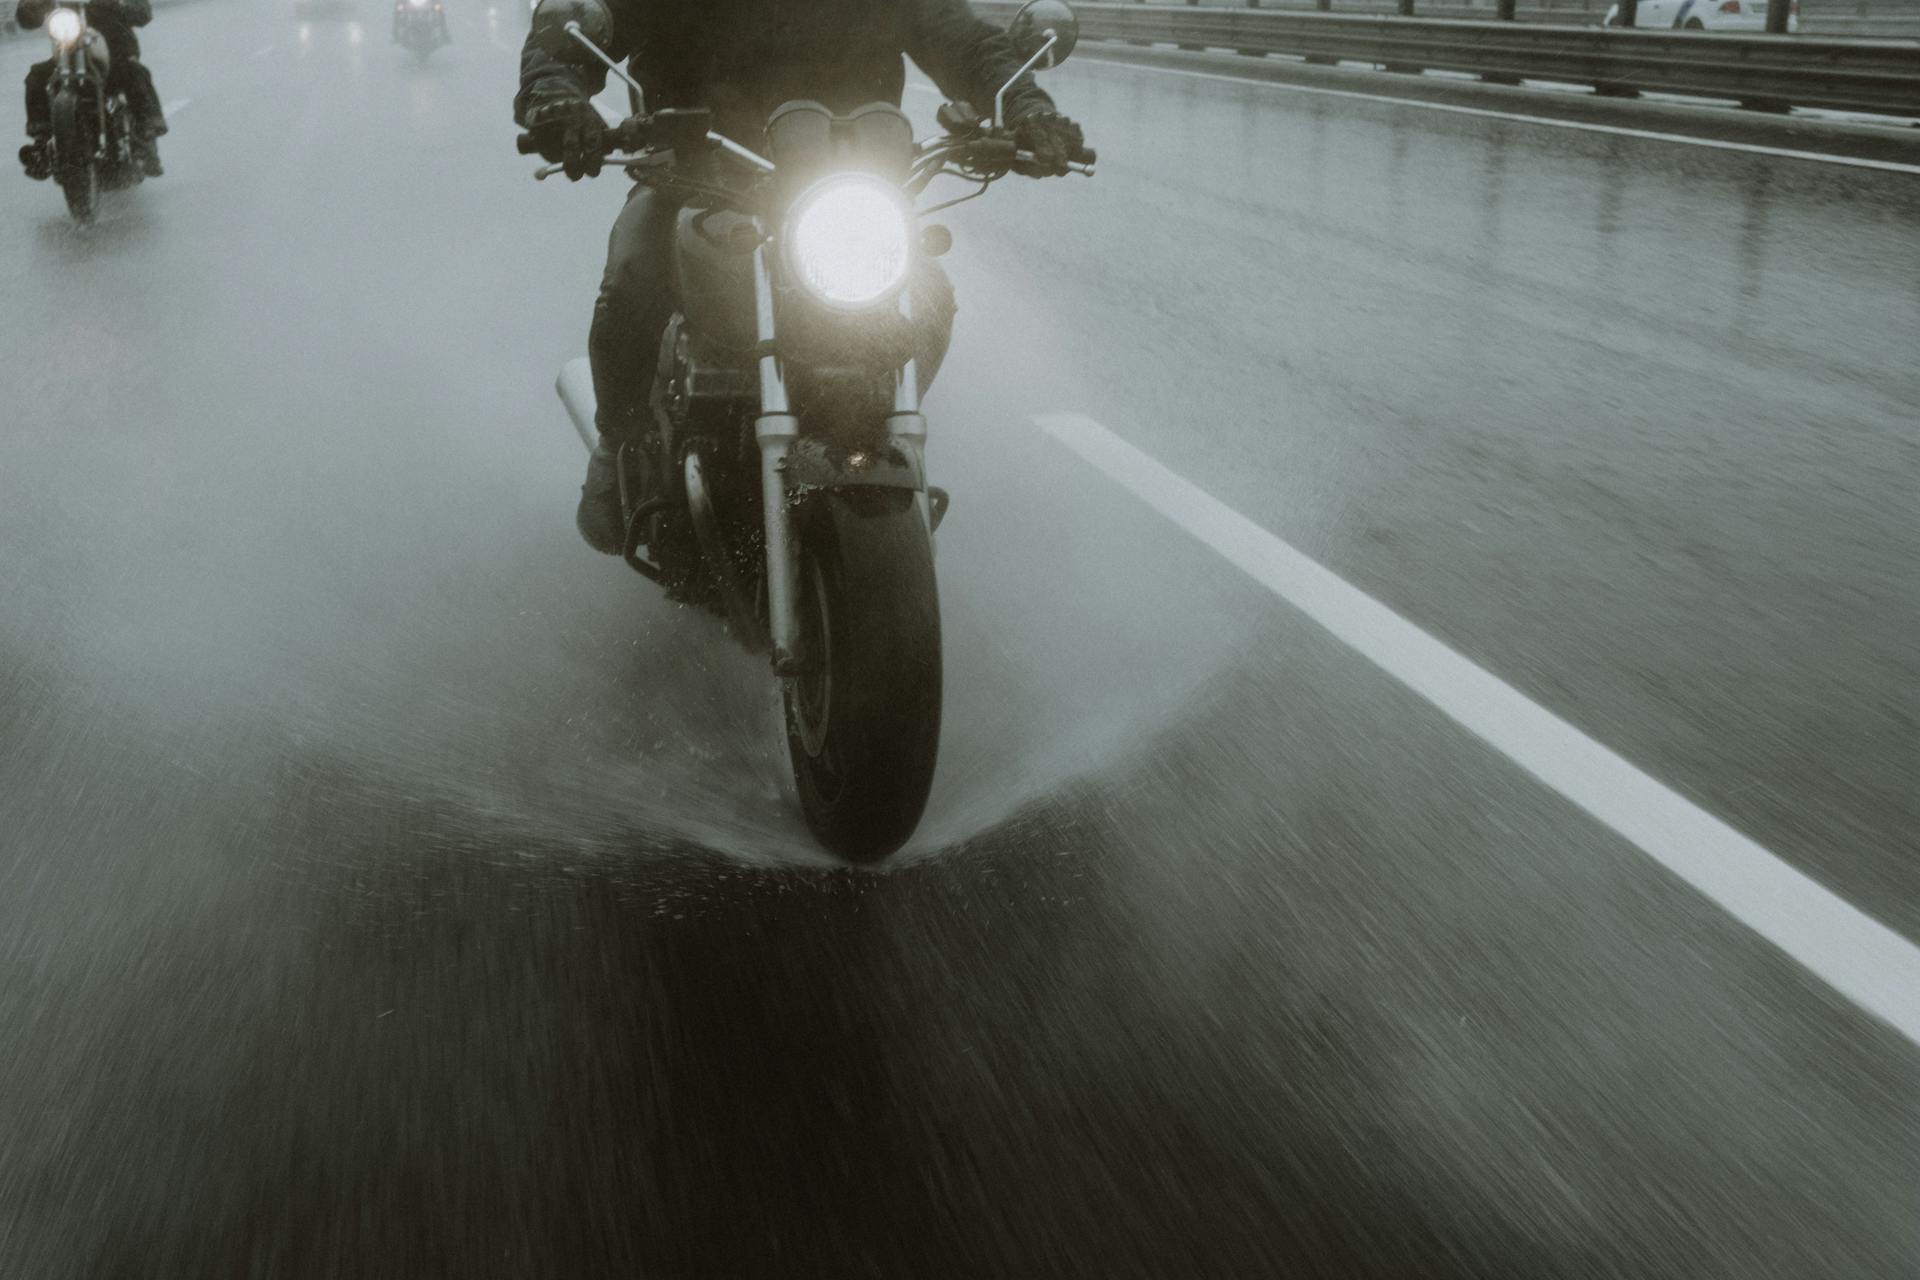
1037,22
551,18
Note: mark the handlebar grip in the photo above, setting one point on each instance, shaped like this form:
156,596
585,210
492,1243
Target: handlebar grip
1084,155
526,145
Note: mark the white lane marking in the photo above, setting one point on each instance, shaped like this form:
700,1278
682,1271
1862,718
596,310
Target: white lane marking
1718,144
176,106
1859,957
263,51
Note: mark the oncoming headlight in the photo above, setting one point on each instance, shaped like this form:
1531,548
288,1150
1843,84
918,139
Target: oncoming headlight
847,241
64,26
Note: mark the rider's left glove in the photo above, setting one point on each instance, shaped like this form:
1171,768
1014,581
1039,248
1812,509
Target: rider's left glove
570,133
1052,138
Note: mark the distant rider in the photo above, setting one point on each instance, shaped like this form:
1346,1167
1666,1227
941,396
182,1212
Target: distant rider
741,59
113,21
404,9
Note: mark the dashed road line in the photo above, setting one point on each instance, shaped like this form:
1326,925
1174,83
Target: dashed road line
1864,960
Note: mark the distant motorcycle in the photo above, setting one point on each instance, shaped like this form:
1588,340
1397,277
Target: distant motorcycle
420,26
794,498
93,147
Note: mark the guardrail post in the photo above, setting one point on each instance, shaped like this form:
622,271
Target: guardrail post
1777,11
1252,53
1406,8
1629,13
1193,48
1502,12
1316,59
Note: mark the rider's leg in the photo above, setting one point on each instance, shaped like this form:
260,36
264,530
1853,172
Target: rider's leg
131,77
34,155
134,79
635,303
39,110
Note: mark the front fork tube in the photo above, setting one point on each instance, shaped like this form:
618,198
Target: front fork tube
775,430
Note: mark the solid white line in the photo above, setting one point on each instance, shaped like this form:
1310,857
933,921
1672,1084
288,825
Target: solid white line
1859,957
263,51
1818,157
176,106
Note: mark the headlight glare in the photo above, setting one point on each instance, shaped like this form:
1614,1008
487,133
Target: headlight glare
64,26
848,241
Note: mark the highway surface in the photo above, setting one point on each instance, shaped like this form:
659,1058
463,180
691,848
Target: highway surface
391,887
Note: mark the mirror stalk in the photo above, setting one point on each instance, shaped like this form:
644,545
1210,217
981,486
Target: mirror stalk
580,37
1000,98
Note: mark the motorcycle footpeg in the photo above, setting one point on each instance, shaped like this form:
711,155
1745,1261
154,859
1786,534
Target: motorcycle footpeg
938,500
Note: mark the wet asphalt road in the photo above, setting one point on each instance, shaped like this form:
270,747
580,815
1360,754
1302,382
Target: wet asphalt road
388,887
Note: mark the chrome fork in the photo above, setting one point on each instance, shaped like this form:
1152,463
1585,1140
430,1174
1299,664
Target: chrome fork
775,430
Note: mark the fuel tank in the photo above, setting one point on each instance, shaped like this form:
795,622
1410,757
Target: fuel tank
713,262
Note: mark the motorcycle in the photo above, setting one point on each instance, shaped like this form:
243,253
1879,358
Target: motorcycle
788,441
93,147
420,26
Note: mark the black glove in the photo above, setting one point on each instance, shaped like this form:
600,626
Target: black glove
570,132
1052,138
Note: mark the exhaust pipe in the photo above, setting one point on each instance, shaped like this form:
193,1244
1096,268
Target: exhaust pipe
575,386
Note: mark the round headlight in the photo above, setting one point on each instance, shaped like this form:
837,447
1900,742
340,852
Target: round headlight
64,26
847,241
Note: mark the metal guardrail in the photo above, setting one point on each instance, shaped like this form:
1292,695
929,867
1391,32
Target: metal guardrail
1891,19
1767,72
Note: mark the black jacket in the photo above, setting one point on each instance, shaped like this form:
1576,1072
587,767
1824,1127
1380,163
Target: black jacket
743,58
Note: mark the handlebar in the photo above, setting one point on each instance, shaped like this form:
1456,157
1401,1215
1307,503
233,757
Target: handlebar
639,132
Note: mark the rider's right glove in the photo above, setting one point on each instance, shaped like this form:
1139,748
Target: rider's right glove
570,133
1052,138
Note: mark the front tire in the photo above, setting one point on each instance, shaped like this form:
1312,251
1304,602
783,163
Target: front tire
74,169
863,723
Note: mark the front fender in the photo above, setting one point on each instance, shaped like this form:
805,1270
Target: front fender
813,465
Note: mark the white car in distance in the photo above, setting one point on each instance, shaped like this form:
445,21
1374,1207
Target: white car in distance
1703,15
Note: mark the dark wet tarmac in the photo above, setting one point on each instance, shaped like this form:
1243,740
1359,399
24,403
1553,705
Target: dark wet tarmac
388,887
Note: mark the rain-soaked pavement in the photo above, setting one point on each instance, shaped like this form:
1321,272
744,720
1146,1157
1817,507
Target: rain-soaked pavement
390,887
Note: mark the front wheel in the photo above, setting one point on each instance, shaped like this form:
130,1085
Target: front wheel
863,720
74,167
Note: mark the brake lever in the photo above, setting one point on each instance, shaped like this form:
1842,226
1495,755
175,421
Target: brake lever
615,161
1073,166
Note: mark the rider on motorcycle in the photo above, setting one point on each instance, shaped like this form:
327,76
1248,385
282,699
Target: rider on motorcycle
114,21
741,59
403,11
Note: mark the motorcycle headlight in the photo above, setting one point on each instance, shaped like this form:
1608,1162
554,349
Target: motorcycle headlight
847,241
64,26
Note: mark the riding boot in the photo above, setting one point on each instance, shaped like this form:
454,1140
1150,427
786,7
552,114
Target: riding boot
37,159
599,518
